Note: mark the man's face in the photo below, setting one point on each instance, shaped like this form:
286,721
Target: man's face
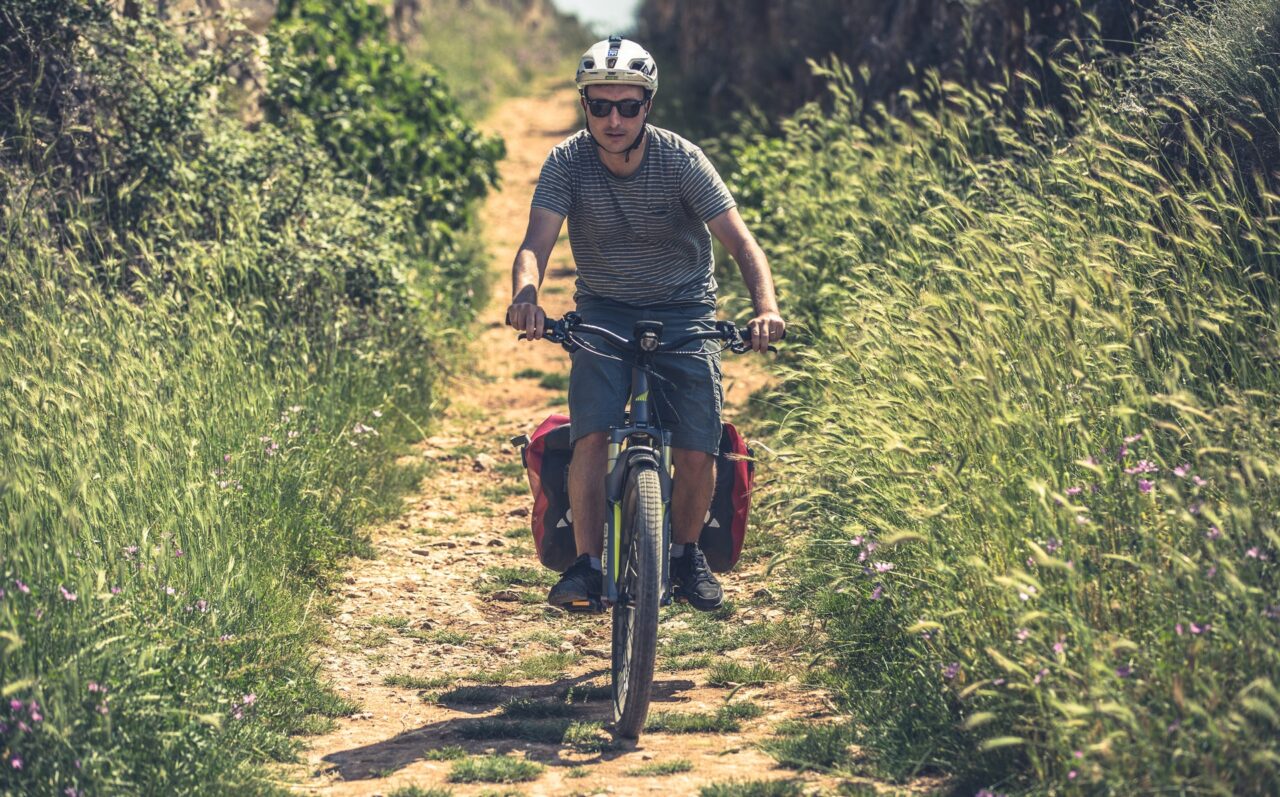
615,132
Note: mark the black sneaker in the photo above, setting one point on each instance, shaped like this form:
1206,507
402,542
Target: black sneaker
578,589
693,580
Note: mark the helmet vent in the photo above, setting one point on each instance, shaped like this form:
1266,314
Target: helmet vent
637,65
587,63
610,62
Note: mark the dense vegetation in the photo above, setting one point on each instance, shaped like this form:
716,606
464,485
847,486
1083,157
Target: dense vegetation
212,341
1033,443
721,57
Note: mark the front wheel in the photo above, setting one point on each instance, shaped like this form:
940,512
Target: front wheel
635,616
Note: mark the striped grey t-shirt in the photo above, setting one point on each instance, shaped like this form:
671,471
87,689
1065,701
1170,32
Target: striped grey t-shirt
640,239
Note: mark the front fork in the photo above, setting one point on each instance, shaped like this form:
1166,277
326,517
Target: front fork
615,489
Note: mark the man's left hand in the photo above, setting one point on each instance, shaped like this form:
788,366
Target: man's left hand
766,328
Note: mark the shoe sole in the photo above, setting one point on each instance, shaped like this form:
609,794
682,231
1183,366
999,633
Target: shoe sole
697,602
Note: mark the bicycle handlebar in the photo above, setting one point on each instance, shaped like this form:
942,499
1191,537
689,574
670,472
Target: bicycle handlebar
560,330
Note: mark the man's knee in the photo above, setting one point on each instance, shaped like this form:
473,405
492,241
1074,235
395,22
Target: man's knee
692,461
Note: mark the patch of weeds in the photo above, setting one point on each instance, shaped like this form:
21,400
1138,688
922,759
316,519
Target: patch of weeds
483,510
577,772
732,673
547,665
753,788
373,638
544,636
510,469
681,664
684,643
588,737
443,636
418,791
517,533
745,710
726,719
587,693
496,578
416,682
376,658
387,621
558,400
314,725
544,731
450,752
464,451
492,677
473,696
675,722
524,708
811,747
505,793
659,768
494,769
554,381
529,373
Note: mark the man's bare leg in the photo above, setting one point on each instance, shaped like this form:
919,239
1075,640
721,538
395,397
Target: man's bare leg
582,581
586,492
695,484
691,493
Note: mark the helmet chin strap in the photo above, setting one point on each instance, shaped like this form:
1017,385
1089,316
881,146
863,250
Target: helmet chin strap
626,153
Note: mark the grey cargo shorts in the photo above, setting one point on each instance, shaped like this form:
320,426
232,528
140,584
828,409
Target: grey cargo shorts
688,403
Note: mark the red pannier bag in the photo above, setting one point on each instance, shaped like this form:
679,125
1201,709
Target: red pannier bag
546,456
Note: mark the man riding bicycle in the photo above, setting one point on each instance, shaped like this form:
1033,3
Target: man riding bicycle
642,204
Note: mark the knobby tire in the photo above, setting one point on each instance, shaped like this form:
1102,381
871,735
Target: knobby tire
635,620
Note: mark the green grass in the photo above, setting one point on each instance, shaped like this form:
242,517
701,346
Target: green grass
554,381
530,373
446,636
577,772
660,768
450,752
494,769
526,708
418,682
587,737
545,666
684,663
726,719
418,791
732,673
809,746
473,695
753,788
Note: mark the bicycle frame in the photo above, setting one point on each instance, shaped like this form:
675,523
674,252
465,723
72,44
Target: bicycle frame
640,435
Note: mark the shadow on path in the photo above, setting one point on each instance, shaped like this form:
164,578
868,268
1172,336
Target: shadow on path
497,733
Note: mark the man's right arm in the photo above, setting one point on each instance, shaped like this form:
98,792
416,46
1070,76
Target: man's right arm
528,270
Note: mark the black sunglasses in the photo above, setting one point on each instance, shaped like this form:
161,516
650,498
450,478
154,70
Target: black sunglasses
628,109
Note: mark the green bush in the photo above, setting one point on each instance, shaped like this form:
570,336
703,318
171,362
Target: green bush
1031,413
387,120
213,347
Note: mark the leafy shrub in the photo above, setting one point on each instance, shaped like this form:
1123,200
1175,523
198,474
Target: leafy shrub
384,119
213,346
1034,467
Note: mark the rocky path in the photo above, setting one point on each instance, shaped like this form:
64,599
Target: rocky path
464,678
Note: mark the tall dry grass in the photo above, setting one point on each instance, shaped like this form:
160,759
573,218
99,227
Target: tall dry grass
1032,463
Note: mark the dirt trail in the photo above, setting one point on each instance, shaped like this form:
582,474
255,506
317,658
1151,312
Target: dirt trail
451,611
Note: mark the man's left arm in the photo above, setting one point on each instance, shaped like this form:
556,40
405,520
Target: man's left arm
730,230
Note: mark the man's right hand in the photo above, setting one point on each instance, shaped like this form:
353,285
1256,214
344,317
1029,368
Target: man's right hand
527,317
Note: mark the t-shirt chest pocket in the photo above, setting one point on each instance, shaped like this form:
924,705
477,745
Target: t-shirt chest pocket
658,219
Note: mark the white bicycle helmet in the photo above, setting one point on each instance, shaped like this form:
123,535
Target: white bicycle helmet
618,60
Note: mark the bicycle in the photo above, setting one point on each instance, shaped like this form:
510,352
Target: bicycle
636,566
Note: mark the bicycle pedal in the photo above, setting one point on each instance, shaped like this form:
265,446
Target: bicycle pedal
584,607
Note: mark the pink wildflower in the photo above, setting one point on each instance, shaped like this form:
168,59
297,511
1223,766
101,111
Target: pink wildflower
169,590
249,699
15,705
1177,627
226,457
93,686
1214,533
883,567
1022,634
1075,490
1182,470
178,552
1145,486
15,762
115,590
23,588
1133,438
877,592
66,594
1071,775
1199,481
951,670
